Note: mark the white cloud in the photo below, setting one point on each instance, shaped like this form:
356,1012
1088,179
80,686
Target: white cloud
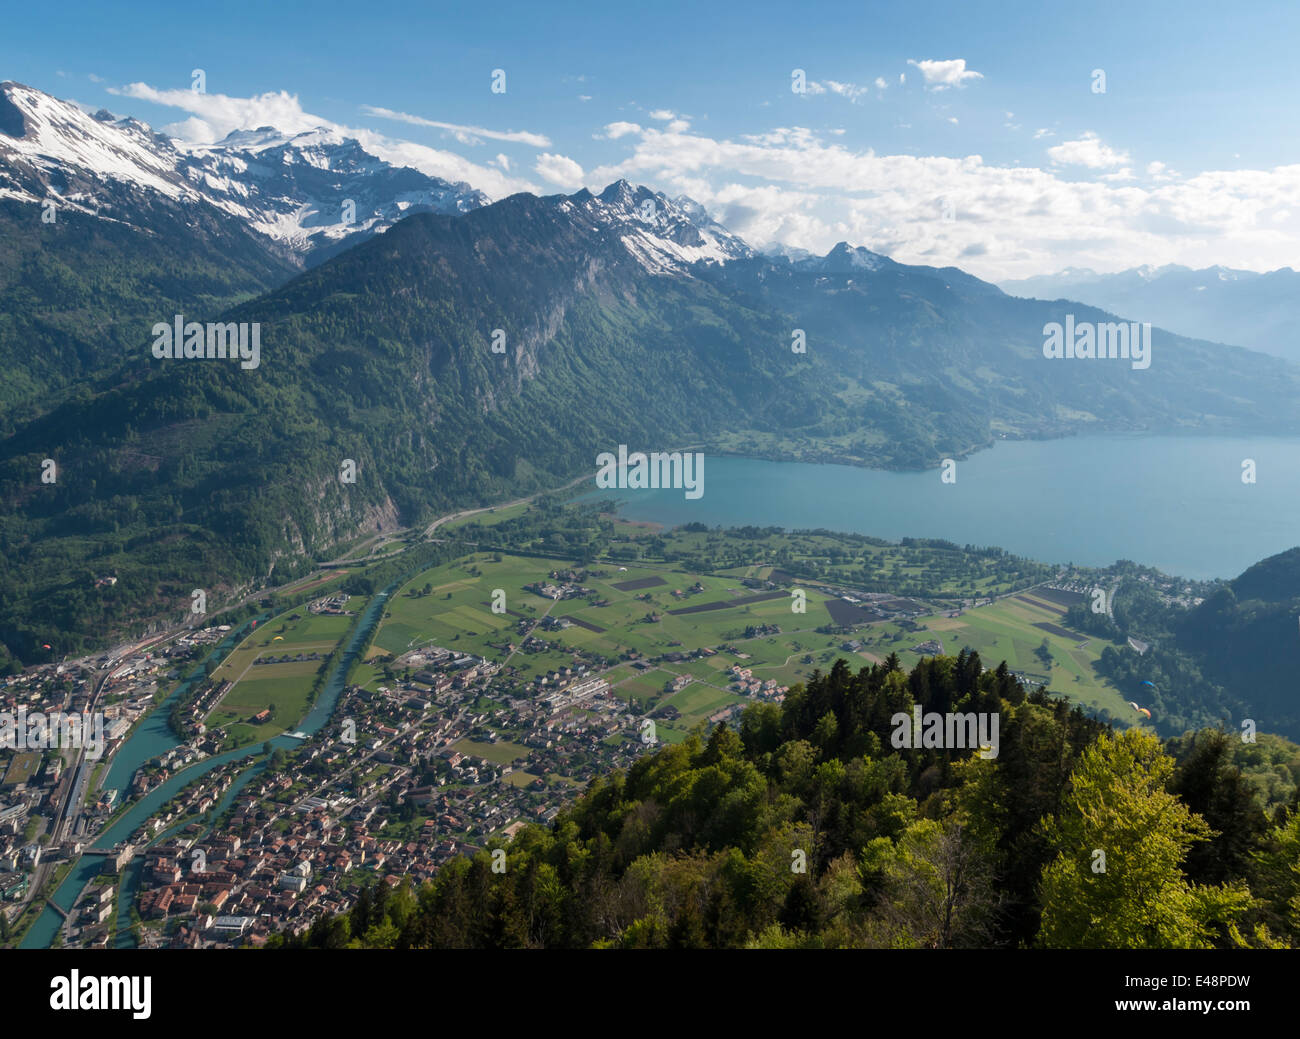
464,134
218,115
192,129
881,84
559,169
1161,173
663,115
850,90
808,189
613,131
224,114
1089,151
940,75
1041,133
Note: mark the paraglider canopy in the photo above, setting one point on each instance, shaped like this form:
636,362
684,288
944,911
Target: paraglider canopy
1145,711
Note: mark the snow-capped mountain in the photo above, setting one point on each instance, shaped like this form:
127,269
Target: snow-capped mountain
51,148
293,189
664,235
315,191
844,258
790,253
312,194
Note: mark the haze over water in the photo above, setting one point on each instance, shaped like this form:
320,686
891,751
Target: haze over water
1176,503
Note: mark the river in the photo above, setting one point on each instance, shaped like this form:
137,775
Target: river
151,738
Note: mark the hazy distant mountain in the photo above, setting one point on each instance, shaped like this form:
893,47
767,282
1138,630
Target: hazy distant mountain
1244,308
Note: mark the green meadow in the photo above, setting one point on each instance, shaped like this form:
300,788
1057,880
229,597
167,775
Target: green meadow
285,685
456,613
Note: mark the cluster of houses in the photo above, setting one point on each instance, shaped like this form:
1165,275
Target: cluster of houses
744,683
566,586
928,648
394,797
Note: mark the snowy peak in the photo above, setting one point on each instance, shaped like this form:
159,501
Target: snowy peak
844,259
664,235
49,146
311,191
788,253
315,190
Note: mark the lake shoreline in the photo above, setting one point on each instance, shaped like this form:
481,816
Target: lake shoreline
1177,503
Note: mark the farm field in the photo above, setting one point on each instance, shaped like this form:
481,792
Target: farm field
1009,630
655,610
455,613
286,685
487,519
285,696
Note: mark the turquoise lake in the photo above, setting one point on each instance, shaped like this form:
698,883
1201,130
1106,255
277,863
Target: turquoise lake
1173,502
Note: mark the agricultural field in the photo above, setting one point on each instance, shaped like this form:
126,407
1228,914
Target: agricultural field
934,569
319,584
650,610
282,686
656,609
284,696
1009,629
490,518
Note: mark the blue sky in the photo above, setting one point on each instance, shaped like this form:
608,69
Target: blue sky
982,113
